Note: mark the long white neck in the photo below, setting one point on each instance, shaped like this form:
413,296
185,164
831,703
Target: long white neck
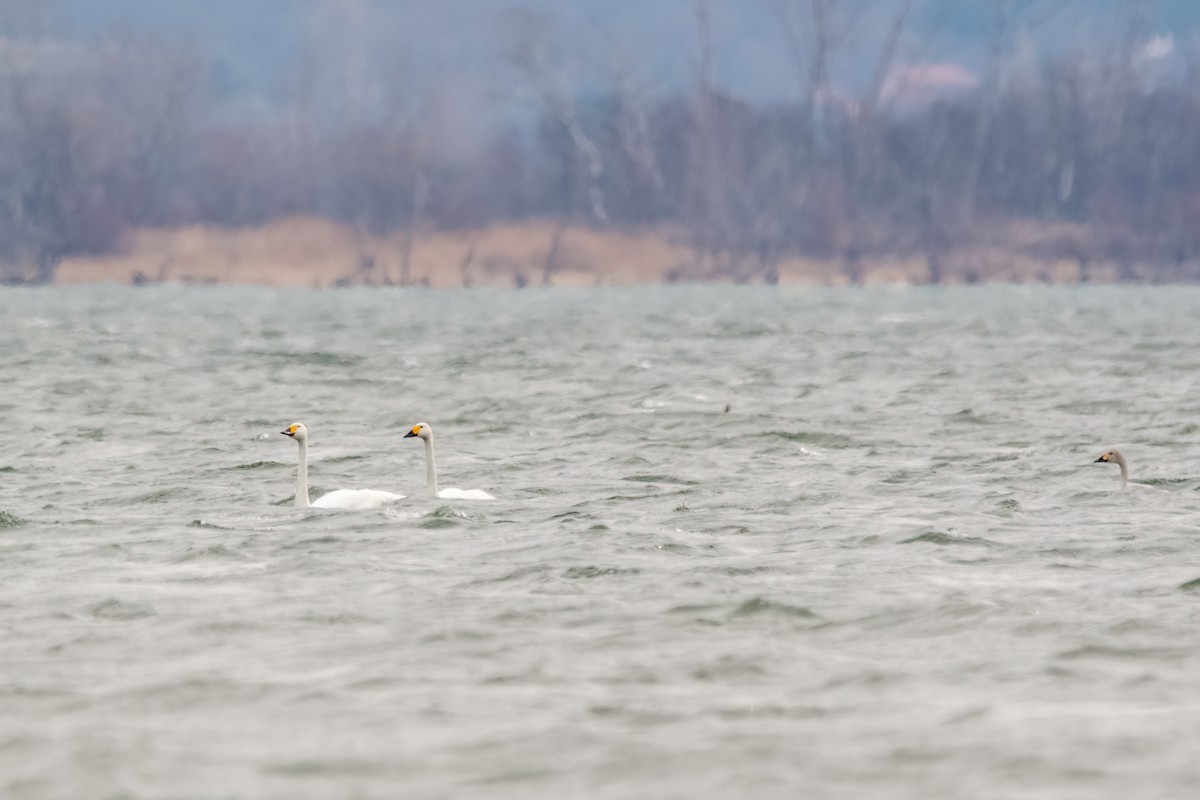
430,466
1120,459
302,477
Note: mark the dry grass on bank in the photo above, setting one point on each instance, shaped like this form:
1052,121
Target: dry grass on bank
319,253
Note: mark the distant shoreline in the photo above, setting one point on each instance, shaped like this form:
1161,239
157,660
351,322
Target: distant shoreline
318,253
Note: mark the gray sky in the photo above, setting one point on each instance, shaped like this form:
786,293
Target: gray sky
256,48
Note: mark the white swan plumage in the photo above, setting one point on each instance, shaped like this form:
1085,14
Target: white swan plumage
1115,457
344,499
422,431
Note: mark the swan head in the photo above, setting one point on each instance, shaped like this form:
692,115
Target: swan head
297,431
421,430
1115,457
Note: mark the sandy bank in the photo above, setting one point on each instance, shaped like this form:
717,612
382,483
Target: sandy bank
319,253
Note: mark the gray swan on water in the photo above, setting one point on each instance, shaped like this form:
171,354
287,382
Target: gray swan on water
1115,457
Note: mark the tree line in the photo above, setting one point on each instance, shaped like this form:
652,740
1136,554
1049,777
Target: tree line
97,140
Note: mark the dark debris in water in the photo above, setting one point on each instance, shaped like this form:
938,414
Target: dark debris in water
1192,586
8,520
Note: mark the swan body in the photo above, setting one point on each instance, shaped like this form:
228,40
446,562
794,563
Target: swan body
1115,457
355,499
451,493
422,431
345,499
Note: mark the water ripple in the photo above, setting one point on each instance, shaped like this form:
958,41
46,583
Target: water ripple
890,569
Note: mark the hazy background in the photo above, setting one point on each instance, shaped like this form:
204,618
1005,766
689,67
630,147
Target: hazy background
828,543
751,131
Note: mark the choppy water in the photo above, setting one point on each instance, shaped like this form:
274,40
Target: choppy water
890,571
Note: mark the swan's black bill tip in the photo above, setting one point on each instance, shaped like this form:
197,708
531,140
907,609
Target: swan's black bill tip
1100,460
409,435
287,433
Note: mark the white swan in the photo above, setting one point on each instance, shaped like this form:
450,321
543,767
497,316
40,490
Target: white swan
347,499
1114,456
422,431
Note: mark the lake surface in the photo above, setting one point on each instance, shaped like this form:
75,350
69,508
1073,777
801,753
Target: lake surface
891,570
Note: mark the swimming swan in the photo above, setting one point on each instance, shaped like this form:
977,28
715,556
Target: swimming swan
1115,456
423,431
347,499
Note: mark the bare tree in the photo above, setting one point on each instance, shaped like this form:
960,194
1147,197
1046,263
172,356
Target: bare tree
814,31
528,36
72,177
634,131
1009,19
